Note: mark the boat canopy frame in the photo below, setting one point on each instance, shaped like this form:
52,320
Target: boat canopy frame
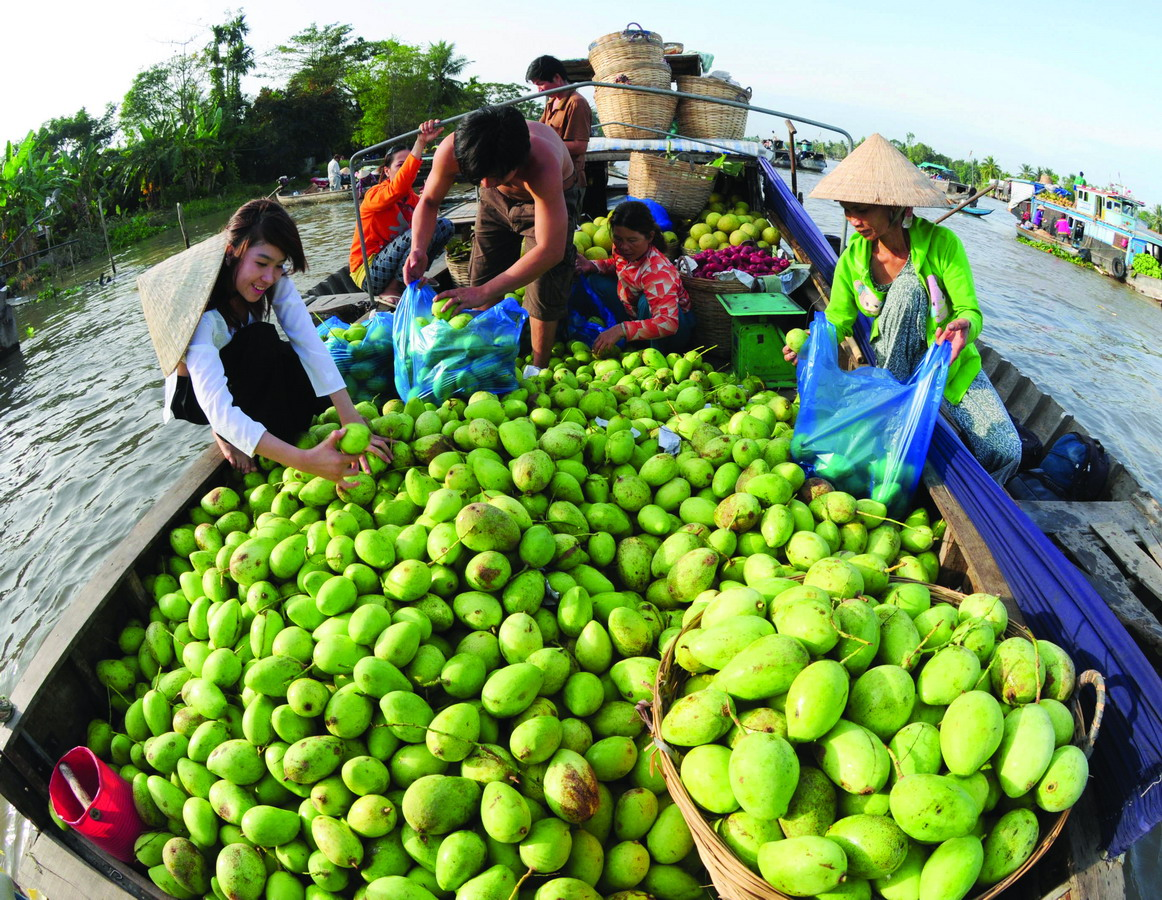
382,146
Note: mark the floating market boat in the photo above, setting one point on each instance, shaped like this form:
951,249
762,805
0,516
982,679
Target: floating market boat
59,692
1104,224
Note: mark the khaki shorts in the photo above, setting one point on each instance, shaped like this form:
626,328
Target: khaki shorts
502,225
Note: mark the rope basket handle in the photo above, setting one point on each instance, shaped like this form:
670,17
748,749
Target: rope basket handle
635,34
1087,738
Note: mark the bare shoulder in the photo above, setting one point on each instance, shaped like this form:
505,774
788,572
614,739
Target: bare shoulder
547,149
444,159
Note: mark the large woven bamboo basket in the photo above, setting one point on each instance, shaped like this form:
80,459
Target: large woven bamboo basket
700,119
733,879
627,49
713,321
458,271
618,110
683,188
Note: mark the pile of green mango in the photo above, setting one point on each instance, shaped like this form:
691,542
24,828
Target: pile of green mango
853,738
426,684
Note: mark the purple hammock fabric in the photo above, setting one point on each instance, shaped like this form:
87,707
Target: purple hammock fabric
1057,601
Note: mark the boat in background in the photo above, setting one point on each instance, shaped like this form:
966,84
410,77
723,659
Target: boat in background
945,179
1104,225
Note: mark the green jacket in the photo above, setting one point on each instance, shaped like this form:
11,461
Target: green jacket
935,251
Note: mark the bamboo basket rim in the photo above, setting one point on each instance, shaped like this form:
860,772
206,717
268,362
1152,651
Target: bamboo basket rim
732,878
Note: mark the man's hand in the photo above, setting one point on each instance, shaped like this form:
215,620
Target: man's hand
460,299
415,266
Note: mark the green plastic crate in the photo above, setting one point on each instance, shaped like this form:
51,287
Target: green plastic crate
758,331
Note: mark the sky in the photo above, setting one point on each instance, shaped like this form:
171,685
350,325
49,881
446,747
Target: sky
1037,83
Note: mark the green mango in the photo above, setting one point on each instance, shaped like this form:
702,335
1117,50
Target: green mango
764,772
634,814
347,713
567,888
312,758
952,869
510,690
1010,842
230,801
882,699
950,672
698,718
166,751
1017,671
971,731
571,787
240,871
504,813
438,804
932,808
1064,780
859,636
185,863
854,758
495,883
875,846
802,866
634,678
765,668
705,773
270,826
337,841
236,761
916,748
904,883
717,645
815,701
1026,748
899,638
547,846
453,732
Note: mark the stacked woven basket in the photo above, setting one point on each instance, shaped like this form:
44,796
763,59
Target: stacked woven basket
633,56
701,119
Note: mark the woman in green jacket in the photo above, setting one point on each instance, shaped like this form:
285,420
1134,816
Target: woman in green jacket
912,278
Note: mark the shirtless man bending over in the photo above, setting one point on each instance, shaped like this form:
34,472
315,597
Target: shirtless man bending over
528,193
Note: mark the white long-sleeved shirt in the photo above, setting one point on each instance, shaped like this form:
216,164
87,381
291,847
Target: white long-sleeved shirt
204,362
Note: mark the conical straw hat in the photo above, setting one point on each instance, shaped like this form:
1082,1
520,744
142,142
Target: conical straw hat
877,173
174,294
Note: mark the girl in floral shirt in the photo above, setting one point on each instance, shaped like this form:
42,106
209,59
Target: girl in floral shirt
657,307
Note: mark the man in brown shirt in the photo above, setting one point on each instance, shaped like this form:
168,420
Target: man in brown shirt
567,113
527,195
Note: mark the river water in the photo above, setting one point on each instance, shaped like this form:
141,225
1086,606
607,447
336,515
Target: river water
84,454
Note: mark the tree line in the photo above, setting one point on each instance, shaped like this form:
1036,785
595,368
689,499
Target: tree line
185,129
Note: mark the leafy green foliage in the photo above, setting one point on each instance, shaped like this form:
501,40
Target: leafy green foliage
1145,264
1056,251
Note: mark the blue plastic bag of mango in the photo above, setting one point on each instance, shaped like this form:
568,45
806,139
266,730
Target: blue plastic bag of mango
362,352
589,315
438,357
863,430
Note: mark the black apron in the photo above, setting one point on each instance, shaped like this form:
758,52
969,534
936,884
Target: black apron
267,380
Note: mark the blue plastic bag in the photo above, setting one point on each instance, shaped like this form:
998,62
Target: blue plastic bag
863,431
661,217
364,363
585,304
434,358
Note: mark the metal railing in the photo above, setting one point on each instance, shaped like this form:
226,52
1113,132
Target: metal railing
376,149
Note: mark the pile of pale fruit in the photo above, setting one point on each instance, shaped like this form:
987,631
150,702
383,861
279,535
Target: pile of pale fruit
426,685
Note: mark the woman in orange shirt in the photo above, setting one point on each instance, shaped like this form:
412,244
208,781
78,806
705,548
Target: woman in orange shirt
386,213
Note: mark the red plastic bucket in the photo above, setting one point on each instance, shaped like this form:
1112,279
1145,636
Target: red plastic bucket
110,821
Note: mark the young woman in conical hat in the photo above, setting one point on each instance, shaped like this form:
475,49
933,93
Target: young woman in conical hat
912,278
208,312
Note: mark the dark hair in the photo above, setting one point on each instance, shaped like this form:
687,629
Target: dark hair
491,142
636,216
545,68
255,222
389,158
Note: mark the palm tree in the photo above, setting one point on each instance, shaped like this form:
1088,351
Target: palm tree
1153,217
1026,172
444,64
989,170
